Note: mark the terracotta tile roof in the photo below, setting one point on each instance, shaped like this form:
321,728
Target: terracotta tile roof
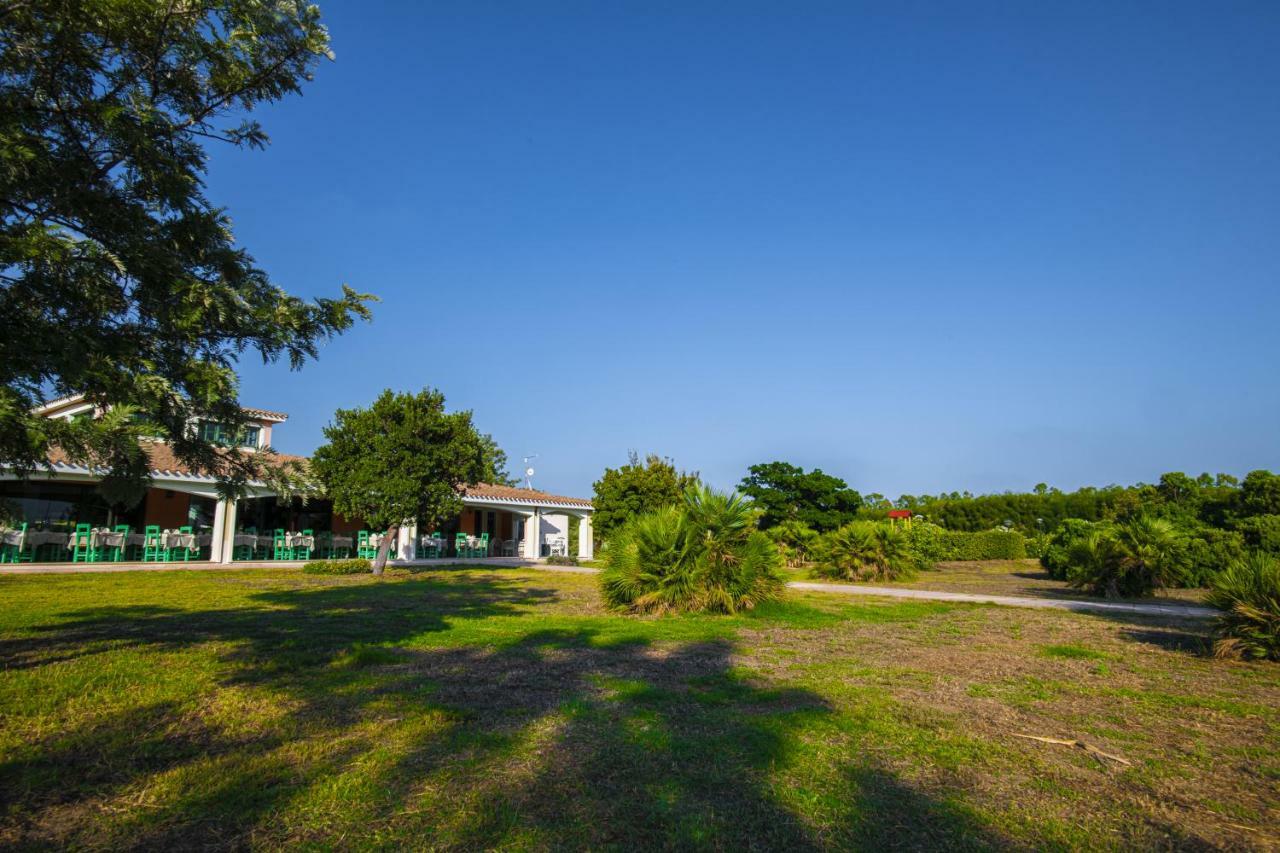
517,495
164,462
264,413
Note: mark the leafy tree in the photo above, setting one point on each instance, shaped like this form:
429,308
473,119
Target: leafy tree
401,459
786,492
1260,493
703,554
625,492
119,278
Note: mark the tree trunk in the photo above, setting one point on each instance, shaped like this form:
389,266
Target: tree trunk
380,562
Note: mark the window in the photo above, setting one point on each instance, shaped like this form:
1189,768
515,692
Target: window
217,433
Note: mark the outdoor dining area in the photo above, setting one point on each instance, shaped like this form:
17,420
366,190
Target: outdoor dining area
249,544
87,544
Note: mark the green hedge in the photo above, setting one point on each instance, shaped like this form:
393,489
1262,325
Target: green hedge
337,567
933,544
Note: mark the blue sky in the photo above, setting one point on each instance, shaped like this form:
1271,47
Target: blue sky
923,246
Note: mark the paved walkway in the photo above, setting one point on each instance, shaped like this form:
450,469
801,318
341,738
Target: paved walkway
1187,611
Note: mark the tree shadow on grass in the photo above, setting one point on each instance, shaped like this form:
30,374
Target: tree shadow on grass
545,738
1187,636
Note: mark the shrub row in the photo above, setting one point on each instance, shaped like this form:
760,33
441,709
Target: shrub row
933,544
337,567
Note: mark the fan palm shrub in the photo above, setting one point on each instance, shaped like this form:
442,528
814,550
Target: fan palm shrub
866,550
704,554
1248,593
1129,560
795,541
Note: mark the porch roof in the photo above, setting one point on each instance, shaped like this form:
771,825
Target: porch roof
492,493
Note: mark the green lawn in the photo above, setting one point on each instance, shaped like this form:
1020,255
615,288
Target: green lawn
477,708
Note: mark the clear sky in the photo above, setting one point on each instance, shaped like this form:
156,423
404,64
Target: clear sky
923,246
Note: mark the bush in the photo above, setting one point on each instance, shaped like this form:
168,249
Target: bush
337,567
986,545
1129,559
561,560
702,555
1056,554
866,550
930,544
933,544
1207,552
1261,532
1248,591
795,541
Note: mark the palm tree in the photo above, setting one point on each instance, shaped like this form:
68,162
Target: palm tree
705,554
1131,559
864,550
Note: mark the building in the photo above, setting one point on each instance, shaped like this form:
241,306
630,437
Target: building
519,522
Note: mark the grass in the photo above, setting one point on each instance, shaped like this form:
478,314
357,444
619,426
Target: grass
474,708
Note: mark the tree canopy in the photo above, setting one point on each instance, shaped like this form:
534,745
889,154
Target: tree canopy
786,492
401,459
625,492
119,278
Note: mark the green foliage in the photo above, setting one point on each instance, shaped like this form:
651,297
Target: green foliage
932,544
561,560
1129,559
1260,493
795,541
120,278
865,550
1205,552
1248,593
1261,532
635,488
785,492
403,458
1063,544
986,545
703,554
336,567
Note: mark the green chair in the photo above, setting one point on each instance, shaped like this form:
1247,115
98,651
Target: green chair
432,551
460,548
153,550
82,549
281,549
483,550
363,548
244,552
116,553
184,554
302,552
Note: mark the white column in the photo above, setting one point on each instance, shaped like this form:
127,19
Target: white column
533,536
224,532
586,546
408,539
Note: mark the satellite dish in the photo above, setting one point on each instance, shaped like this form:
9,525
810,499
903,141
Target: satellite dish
528,472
